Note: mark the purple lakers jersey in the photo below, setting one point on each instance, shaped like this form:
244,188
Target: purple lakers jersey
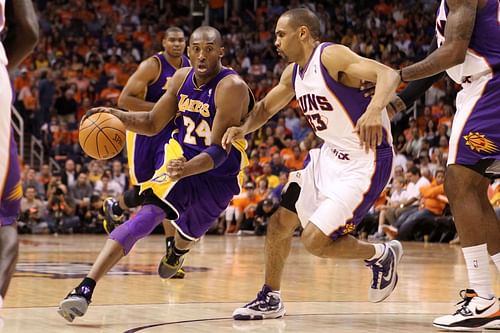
483,55
197,111
145,153
156,89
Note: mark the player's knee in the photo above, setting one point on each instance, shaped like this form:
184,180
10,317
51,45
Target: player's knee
460,182
314,240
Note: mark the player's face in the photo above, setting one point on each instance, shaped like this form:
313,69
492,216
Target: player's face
205,56
286,39
174,44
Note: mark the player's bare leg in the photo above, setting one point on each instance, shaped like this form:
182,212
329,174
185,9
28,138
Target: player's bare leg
268,305
479,232
119,244
8,256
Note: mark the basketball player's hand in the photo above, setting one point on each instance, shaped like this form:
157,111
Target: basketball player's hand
369,129
232,134
99,109
175,168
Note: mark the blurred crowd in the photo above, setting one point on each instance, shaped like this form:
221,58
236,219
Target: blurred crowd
89,49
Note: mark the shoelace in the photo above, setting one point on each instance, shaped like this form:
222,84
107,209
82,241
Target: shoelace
261,298
464,308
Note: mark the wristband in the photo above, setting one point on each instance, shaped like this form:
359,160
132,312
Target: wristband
401,76
217,153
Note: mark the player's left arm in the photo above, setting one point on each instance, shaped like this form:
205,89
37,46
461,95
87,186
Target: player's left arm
457,33
340,59
23,32
231,101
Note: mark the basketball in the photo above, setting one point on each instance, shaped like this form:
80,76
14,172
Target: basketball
102,136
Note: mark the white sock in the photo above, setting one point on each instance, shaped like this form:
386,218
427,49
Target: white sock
477,261
379,251
496,260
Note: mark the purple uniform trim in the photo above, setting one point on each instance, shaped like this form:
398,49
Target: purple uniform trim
12,191
480,136
378,182
352,99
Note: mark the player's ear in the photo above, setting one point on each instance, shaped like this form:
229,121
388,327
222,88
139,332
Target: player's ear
221,52
302,32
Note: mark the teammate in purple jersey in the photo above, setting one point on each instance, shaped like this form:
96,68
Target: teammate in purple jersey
145,154
468,49
21,38
198,177
343,178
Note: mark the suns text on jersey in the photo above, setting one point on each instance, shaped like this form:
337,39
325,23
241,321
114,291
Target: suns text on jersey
312,102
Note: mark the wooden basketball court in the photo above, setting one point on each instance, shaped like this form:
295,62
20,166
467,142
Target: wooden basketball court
223,273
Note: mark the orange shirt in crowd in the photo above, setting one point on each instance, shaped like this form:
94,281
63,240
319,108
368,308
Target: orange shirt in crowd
295,164
429,197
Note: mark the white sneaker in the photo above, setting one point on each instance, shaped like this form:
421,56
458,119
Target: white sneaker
474,313
267,305
385,272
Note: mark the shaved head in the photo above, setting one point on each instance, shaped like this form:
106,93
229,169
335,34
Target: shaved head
173,29
298,17
206,33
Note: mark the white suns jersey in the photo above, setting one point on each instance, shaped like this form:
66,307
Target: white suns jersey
331,108
483,54
3,56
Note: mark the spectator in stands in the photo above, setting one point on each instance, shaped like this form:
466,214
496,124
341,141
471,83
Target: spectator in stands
32,211
66,107
93,216
296,162
245,208
81,192
107,187
119,176
432,203
267,173
275,194
31,181
263,212
69,174
277,165
44,176
398,196
61,210
303,131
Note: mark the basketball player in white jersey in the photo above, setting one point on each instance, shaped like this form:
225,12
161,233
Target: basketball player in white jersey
21,38
468,40
345,176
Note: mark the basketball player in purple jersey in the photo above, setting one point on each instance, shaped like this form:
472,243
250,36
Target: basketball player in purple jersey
198,177
468,40
145,154
21,38
343,179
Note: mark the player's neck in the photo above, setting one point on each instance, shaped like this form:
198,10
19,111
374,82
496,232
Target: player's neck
176,62
307,53
200,81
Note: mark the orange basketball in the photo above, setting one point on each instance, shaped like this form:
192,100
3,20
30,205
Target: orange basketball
102,136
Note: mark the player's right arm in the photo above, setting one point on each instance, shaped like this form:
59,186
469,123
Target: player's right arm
275,100
23,32
152,122
132,95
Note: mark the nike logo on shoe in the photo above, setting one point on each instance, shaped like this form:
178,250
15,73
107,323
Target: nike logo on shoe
486,308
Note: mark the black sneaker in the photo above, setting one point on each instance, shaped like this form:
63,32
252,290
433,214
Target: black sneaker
75,304
267,305
111,220
171,263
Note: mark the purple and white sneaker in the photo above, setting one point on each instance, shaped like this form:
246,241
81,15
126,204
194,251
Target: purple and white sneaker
267,305
385,272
